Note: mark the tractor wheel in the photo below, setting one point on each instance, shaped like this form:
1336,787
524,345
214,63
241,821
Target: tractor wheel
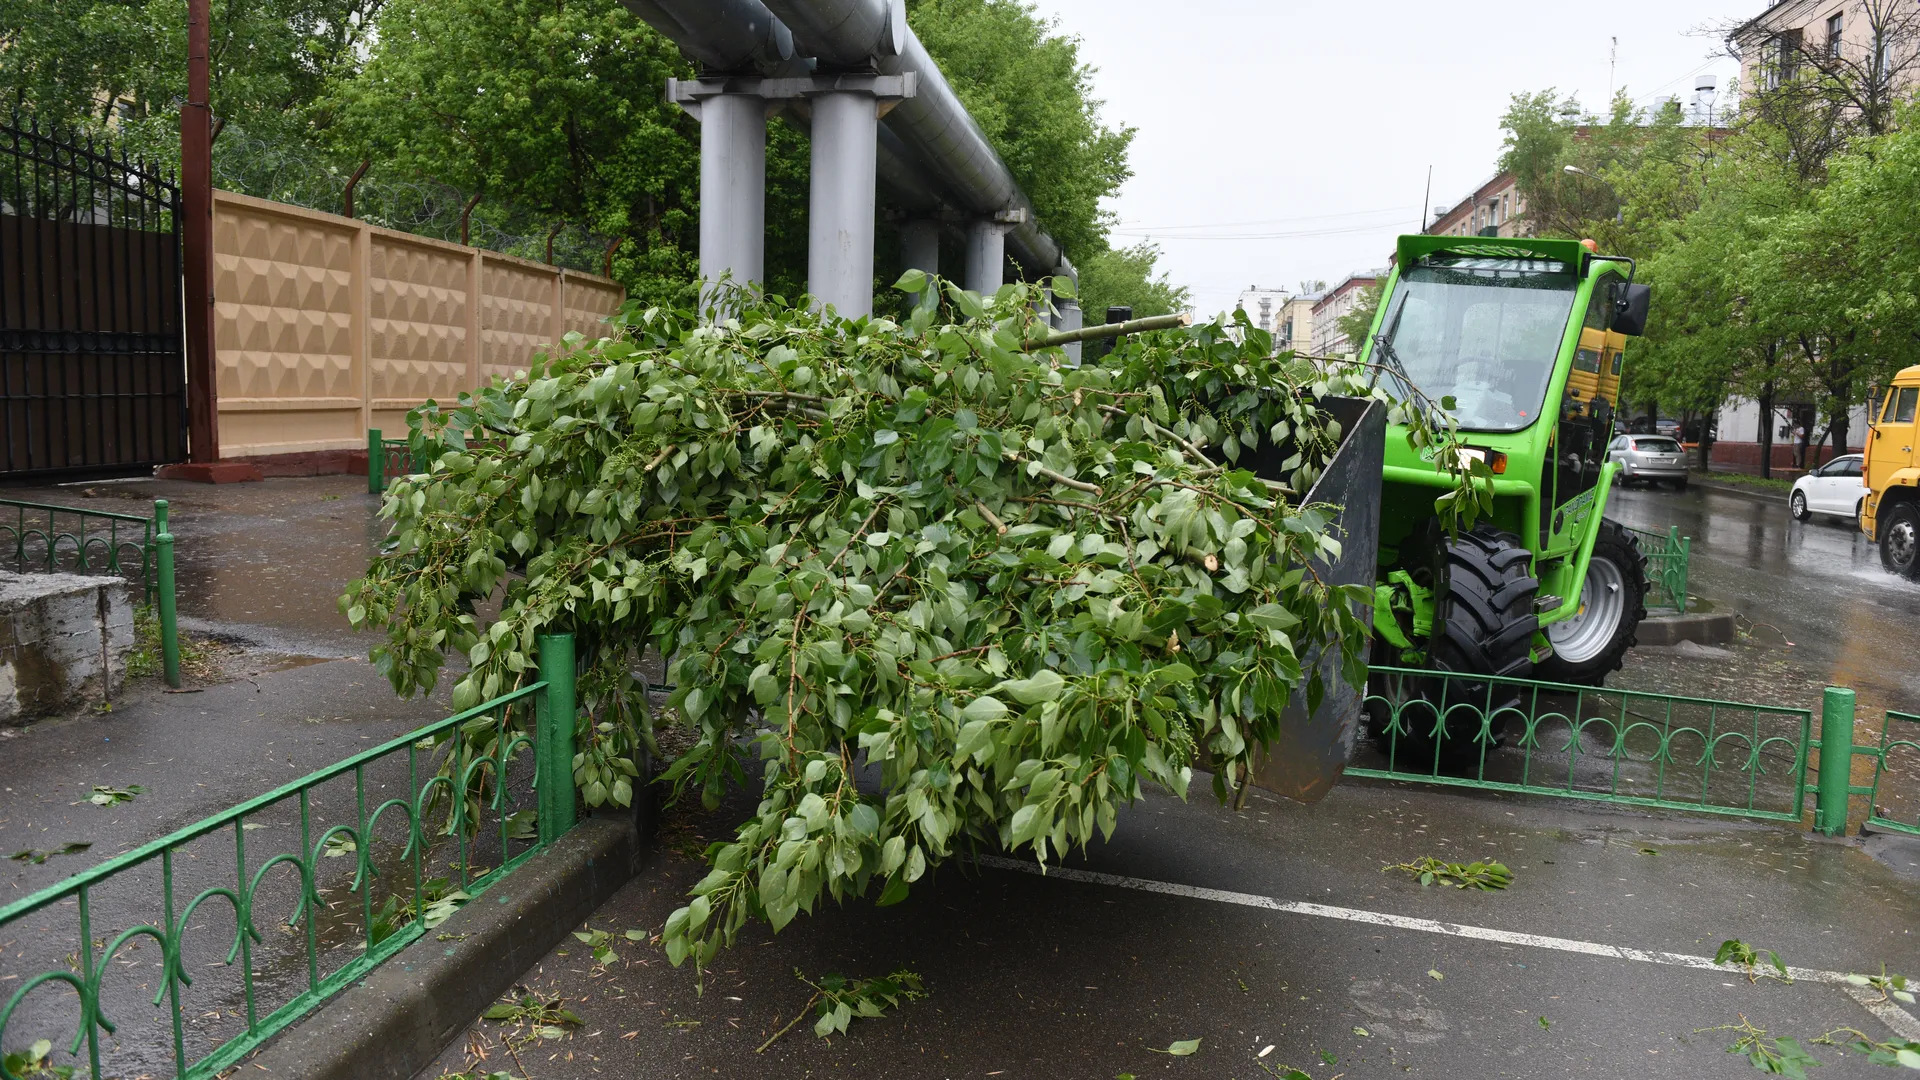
1613,600
1484,622
1900,539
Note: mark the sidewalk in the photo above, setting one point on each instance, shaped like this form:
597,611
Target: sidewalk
259,566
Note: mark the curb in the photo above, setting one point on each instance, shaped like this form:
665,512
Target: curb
1717,628
1738,490
398,1019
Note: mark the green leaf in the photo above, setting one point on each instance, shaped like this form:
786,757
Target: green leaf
984,708
1042,686
912,282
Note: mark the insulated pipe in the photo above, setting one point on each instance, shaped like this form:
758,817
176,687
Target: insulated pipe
840,212
920,244
933,124
847,33
733,191
725,35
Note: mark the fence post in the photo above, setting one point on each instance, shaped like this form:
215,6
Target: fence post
1836,760
169,628
376,463
553,741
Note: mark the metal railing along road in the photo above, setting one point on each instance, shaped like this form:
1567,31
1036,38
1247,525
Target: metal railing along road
39,537
387,461
1618,746
165,961
1667,555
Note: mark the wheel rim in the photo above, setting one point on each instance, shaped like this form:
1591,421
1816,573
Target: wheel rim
1799,505
1603,604
1900,543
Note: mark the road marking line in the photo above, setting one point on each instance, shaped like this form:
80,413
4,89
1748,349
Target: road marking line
1898,1020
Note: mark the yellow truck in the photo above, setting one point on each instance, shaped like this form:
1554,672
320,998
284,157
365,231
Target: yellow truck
1892,514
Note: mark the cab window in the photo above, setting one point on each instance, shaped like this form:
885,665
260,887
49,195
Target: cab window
1900,405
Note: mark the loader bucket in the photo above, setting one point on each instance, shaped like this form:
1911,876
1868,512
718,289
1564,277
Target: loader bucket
1312,749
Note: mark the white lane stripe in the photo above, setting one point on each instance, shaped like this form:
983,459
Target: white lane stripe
1898,1020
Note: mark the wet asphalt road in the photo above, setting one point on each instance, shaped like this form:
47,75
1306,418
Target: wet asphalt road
1057,978
1818,585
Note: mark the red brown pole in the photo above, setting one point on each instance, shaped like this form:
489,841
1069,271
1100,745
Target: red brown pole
196,242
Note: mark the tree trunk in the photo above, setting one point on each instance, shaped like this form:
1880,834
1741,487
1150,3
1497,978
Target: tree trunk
1767,420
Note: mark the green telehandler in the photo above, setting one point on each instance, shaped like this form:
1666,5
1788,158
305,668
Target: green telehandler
1521,341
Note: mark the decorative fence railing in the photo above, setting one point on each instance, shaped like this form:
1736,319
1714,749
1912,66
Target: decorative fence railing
1898,754
38,537
430,820
387,460
1617,746
1667,554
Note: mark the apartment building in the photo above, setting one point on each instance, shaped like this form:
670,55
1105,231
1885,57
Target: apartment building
1494,209
1876,40
1334,305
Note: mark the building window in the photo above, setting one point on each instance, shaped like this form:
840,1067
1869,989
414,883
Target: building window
1834,25
1783,58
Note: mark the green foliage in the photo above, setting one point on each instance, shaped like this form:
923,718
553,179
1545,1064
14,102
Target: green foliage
106,796
35,1062
1783,1056
600,943
1890,986
838,1000
36,858
544,1018
555,106
1020,591
1484,876
78,62
1740,954
1180,1048
1895,1054
1125,277
1358,323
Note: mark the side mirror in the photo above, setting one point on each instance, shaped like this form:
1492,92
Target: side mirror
1630,306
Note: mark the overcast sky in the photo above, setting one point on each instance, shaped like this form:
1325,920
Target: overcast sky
1303,132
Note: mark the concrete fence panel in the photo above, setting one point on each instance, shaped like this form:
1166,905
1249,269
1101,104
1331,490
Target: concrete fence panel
326,326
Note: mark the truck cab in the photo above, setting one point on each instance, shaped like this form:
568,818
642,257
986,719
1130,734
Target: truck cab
1891,516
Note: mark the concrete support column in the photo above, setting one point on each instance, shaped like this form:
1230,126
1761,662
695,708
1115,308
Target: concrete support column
987,256
840,210
1068,317
920,244
733,191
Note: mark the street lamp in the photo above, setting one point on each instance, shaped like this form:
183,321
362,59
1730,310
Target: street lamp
1618,203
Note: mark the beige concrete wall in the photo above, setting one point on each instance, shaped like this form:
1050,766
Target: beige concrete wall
325,326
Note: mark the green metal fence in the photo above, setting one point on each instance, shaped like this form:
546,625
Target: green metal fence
1667,555
39,537
1616,746
1898,753
387,460
429,818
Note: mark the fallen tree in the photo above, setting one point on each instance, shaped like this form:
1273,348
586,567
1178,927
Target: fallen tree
1008,592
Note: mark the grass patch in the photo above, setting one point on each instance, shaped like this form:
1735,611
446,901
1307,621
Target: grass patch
1756,483
145,661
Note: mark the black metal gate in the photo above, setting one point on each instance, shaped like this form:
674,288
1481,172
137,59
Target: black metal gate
92,360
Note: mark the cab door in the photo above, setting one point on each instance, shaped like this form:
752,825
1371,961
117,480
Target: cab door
1890,449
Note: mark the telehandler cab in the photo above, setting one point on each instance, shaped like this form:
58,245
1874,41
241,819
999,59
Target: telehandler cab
1521,341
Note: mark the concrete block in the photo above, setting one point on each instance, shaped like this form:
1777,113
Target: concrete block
1705,628
64,640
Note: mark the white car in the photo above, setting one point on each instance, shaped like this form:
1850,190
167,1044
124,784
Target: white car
1835,489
